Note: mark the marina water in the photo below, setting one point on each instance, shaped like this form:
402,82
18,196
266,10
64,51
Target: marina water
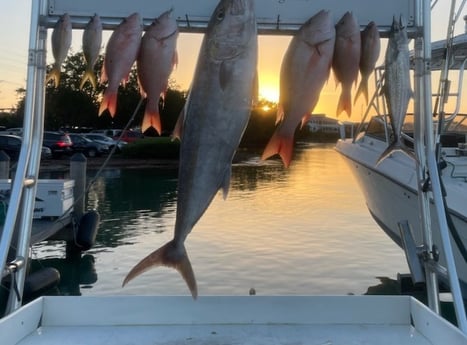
296,231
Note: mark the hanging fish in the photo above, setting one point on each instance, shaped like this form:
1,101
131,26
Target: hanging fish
120,54
156,60
61,42
371,46
92,40
215,118
346,59
304,71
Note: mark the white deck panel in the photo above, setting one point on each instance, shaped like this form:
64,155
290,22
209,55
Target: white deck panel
314,320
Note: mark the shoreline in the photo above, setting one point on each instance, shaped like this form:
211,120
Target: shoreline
63,164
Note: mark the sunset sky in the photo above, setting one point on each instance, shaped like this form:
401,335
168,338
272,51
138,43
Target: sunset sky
15,21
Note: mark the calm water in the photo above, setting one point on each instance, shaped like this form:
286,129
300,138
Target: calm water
301,230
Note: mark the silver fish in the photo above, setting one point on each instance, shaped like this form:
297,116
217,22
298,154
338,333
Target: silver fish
61,42
346,59
92,40
371,47
397,89
304,71
156,60
214,121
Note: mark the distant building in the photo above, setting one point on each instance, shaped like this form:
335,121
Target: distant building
323,128
323,124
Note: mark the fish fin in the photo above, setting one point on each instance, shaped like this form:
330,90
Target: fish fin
279,113
104,77
151,119
54,76
175,60
178,129
109,102
345,103
169,255
88,76
395,146
305,119
362,90
225,74
281,145
226,183
255,96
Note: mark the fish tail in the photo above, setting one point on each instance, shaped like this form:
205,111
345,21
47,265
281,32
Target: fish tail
279,144
362,90
88,76
169,255
345,103
109,101
151,119
54,75
397,145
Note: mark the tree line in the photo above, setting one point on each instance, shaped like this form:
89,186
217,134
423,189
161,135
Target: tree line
68,107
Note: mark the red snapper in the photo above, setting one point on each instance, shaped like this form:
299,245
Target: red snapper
304,71
120,54
156,60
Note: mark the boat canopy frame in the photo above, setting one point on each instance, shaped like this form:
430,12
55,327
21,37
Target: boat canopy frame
275,17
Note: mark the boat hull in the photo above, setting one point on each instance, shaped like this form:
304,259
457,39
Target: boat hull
392,197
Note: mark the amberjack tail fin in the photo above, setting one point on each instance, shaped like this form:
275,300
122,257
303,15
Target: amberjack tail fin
88,76
151,119
362,90
169,255
394,147
54,75
279,144
109,101
345,103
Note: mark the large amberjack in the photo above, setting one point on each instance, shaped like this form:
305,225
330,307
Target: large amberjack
156,60
92,40
61,42
304,71
346,59
215,118
120,54
397,89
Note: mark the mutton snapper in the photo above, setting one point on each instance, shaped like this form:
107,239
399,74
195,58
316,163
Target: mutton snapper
61,42
304,71
397,89
92,39
215,118
120,54
346,59
156,60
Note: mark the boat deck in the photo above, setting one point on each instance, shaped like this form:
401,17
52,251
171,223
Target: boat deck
314,320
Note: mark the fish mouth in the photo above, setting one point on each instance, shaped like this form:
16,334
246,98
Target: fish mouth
238,7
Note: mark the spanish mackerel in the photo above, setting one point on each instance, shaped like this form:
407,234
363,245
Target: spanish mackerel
396,87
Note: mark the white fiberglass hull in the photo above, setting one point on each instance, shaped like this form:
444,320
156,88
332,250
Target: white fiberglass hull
390,192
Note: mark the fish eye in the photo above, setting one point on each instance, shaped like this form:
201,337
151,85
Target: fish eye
220,14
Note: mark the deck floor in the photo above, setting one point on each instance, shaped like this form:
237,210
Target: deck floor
227,334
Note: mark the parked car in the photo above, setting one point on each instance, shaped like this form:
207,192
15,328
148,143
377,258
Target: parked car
11,145
128,135
59,142
87,146
106,140
15,131
108,132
